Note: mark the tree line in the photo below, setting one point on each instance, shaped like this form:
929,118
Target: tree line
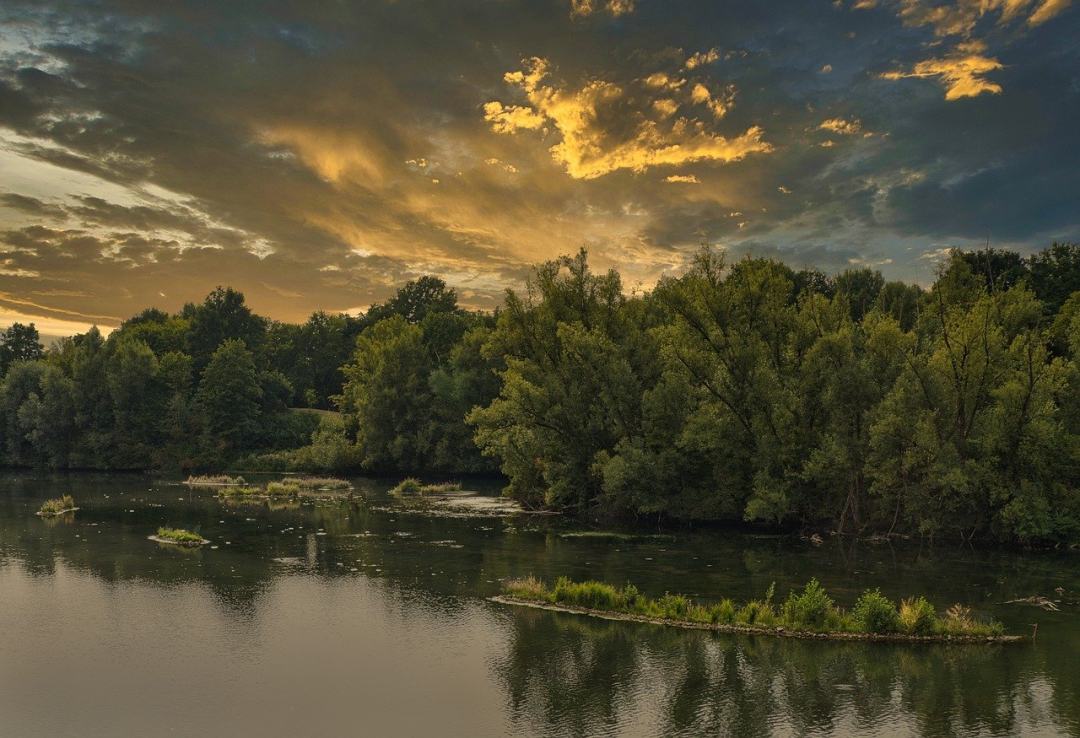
745,391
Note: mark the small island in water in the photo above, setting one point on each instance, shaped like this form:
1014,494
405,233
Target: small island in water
809,613
178,537
56,506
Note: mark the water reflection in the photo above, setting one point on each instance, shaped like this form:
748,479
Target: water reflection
572,674
357,591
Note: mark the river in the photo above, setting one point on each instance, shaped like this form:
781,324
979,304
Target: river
368,617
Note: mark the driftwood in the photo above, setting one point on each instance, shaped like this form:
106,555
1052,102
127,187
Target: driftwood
1037,601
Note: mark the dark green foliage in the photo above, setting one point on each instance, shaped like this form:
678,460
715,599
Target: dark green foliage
19,342
735,392
875,613
809,609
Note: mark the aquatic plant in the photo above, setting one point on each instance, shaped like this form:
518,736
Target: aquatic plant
809,610
56,505
243,491
318,482
213,480
413,486
408,486
179,535
287,488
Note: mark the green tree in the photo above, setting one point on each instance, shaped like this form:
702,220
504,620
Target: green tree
230,398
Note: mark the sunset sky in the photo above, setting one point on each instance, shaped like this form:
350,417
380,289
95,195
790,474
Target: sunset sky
315,155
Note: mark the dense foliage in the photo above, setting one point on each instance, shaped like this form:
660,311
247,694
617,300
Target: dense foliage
741,392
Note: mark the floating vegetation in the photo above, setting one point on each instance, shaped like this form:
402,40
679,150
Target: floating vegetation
178,537
214,480
606,535
248,491
322,483
57,506
413,486
287,488
806,613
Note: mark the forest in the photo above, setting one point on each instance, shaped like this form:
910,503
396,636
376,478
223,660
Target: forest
744,392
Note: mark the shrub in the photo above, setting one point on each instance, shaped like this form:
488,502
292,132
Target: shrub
875,613
810,609
674,607
917,616
57,505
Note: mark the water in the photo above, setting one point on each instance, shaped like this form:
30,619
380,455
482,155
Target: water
356,618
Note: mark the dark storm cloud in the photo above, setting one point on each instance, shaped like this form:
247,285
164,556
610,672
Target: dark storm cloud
315,155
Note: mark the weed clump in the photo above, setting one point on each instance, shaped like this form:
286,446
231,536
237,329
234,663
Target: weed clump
179,535
214,480
56,506
413,486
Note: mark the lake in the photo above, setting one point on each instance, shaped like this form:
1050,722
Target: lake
368,617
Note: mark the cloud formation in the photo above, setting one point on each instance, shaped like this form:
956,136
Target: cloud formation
604,127
315,156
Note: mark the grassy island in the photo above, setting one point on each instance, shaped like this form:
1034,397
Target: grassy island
413,486
179,537
806,613
215,480
292,487
319,483
57,506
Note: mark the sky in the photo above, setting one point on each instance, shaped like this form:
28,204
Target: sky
316,155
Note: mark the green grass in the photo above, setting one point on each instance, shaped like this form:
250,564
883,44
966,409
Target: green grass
318,482
413,486
286,488
178,535
213,480
57,505
246,490
809,609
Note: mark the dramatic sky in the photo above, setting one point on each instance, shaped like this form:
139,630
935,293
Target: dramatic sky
317,154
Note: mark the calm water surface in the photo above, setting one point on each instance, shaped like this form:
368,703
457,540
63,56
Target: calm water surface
360,618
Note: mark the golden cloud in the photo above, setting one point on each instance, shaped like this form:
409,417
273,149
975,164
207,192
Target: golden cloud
960,18
682,179
614,8
604,127
701,58
961,74
510,118
841,126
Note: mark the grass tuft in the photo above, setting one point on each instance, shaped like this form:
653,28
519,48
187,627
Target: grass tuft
57,505
178,535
